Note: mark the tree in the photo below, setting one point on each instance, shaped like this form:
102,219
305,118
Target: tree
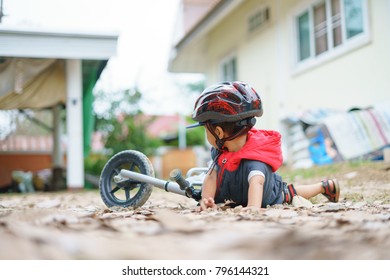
122,122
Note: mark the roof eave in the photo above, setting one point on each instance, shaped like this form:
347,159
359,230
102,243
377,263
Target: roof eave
187,54
16,42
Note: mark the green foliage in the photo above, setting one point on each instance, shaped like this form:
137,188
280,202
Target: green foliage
121,121
128,134
94,163
323,171
195,136
109,107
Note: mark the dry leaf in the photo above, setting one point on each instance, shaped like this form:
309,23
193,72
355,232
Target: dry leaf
299,201
174,222
49,204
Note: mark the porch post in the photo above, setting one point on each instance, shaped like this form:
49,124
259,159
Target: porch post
74,124
57,181
57,132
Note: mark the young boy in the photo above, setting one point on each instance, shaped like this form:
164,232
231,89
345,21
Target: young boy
245,159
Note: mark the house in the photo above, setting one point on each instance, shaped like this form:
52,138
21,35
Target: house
298,54
50,69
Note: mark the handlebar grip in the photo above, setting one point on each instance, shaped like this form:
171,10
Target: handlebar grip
176,176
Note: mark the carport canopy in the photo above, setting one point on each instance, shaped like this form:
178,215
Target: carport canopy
48,68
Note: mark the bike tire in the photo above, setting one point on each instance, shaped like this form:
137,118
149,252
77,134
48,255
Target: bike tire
128,193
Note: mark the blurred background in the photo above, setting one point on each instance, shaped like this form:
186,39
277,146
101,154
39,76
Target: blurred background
82,80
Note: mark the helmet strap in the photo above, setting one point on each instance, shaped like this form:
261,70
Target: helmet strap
221,141
242,131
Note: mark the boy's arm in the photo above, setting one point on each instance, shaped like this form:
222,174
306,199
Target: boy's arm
255,192
208,191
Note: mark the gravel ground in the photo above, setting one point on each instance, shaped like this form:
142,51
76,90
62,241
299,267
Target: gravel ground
77,225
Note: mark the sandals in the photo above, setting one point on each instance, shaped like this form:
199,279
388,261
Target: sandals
331,190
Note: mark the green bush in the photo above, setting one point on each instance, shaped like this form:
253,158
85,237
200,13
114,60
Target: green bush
94,163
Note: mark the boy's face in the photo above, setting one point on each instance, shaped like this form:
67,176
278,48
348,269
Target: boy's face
210,138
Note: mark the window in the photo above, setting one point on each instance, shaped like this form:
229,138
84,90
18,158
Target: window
353,18
229,69
304,36
327,25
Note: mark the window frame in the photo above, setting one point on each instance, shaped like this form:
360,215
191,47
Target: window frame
228,59
333,52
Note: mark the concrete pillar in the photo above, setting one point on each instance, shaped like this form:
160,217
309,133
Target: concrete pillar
74,124
58,179
57,132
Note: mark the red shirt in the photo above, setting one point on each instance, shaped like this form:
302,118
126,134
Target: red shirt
261,145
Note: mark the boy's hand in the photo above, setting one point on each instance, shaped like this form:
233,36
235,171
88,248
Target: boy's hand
206,203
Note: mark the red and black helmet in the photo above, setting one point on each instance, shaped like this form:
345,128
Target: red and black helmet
227,102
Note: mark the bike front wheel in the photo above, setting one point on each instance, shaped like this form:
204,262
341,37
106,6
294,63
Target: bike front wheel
128,192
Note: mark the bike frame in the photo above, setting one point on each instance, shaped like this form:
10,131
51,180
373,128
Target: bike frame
180,186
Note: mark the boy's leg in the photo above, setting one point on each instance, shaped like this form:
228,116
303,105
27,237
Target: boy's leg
288,193
309,191
329,188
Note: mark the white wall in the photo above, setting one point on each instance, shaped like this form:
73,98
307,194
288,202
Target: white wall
356,78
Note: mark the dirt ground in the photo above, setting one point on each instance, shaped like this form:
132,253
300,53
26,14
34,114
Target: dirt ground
79,226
